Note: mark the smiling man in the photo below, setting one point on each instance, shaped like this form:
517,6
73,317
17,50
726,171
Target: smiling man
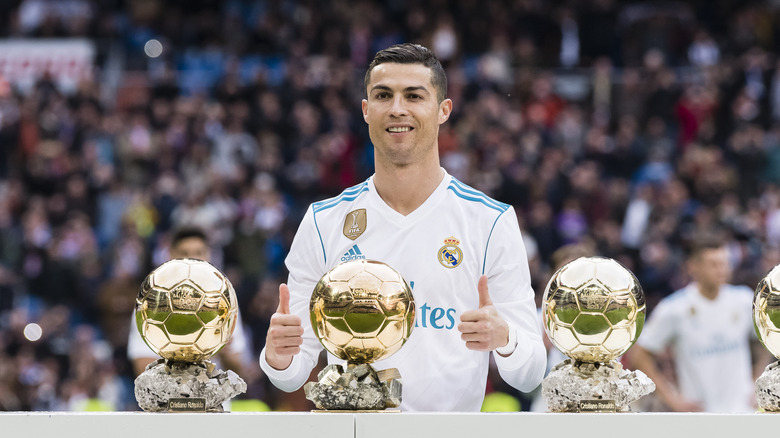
461,251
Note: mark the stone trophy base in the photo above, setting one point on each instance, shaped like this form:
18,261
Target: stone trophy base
176,382
593,387
359,388
768,388
357,411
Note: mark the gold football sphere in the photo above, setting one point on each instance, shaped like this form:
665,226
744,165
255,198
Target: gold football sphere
593,309
186,310
766,311
362,311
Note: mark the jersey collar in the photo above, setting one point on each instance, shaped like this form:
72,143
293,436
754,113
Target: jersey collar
423,210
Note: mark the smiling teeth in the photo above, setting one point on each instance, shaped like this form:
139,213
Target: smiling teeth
399,129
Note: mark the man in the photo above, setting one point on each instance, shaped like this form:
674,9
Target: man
708,325
461,251
188,243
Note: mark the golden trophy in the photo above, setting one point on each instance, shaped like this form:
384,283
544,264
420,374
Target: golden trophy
593,311
186,312
361,311
766,317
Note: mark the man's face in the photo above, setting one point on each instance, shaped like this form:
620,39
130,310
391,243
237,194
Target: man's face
711,267
403,113
191,248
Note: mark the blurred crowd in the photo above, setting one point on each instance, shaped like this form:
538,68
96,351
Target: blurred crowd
632,126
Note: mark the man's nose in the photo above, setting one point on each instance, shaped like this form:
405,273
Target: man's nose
399,107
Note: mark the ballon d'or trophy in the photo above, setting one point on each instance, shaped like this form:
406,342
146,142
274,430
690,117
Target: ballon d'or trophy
766,317
593,311
361,311
186,312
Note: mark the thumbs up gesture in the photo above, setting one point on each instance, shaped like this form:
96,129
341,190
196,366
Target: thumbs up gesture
483,329
285,333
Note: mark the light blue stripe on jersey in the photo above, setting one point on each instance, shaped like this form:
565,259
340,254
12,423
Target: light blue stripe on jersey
465,192
320,236
349,194
484,259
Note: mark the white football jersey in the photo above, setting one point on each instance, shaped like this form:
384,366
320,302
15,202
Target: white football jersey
710,341
441,249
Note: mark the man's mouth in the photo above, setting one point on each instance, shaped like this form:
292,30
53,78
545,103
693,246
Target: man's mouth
400,129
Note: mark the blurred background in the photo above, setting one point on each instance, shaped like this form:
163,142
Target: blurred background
631,126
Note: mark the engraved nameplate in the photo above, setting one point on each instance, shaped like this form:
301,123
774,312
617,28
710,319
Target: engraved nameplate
597,406
185,404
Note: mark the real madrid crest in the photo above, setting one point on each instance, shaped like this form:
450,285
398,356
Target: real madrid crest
450,254
355,223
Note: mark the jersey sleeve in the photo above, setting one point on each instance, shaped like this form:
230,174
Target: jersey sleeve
659,330
306,264
509,285
238,343
136,347
746,301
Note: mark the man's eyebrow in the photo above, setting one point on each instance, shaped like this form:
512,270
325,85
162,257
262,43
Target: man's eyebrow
417,88
405,90
380,87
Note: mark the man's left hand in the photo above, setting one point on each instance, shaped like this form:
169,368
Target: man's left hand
483,329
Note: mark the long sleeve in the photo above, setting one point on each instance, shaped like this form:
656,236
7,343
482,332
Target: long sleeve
509,283
306,265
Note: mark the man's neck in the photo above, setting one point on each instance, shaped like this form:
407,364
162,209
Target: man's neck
406,188
709,292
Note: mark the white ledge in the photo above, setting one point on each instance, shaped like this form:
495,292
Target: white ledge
385,425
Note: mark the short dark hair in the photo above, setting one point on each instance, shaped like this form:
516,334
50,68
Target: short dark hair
187,233
408,53
705,243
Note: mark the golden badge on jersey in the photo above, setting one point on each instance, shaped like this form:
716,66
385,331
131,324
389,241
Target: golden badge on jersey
450,254
355,223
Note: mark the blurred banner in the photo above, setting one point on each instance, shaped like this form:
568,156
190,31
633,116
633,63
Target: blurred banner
25,61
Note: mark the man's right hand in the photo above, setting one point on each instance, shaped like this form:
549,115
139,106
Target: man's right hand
285,334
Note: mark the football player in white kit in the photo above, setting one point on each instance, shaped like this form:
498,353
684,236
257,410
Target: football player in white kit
708,324
460,250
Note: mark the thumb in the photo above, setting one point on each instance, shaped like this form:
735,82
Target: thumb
284,299
484,296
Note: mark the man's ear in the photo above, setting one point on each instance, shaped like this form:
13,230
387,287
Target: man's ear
364,107
445,109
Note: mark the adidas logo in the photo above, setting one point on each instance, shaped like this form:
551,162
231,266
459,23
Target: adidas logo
353,254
